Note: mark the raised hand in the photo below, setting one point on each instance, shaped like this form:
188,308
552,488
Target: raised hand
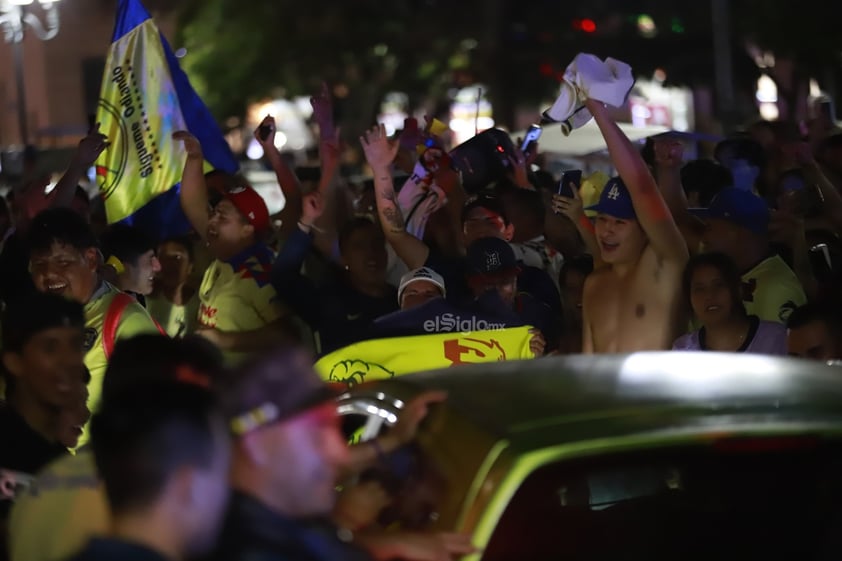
520,165
537,343
266,125
571,208
379,150
91,146
191,144
323,112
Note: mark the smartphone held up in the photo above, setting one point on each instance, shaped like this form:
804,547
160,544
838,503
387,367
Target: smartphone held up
570,180
529,139
264,131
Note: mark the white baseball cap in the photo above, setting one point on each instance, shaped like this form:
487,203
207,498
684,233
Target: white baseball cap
422,274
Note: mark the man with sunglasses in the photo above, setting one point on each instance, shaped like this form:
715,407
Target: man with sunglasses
288,456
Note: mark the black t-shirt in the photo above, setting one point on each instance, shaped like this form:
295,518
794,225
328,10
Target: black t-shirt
338,312
21,448
23,453
106,549
347,313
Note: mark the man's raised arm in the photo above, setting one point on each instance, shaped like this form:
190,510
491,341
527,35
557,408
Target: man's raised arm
287,180
652,211
380,152
86,154
194,190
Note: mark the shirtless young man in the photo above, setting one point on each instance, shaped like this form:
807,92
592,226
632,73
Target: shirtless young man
634,303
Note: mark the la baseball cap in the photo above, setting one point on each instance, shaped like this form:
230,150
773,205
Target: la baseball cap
491,257
615,200
251,205
422,274
739,207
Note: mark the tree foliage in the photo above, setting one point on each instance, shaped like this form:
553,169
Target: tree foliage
240,51
245,50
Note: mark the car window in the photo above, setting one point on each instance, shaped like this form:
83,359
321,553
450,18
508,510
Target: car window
770,498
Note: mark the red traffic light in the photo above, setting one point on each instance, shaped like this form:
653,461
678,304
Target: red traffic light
586,25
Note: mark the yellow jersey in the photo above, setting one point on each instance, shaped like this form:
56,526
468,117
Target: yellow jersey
237,295
771,291
134,320
177,321
57,515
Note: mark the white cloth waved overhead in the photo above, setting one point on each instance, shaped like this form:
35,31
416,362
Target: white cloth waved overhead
588,77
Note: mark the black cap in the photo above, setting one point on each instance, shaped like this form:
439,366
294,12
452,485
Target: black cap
489,202
273,388
491,257
38,311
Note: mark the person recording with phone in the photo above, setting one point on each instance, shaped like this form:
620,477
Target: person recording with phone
568,202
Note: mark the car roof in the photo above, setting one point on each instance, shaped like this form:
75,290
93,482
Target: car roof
552,400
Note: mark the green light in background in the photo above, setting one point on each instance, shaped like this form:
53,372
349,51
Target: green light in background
677,26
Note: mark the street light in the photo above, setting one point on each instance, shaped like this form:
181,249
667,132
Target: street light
13,20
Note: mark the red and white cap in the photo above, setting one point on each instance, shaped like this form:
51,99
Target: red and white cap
251,205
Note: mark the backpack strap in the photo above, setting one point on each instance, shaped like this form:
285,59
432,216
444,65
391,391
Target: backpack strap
112,320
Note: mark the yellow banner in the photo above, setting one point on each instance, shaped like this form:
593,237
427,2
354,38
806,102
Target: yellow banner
386,358
138,112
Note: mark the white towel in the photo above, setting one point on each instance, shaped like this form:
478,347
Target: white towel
566,105
418,199
588,77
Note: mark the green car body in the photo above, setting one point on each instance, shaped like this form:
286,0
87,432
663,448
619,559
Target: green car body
502,422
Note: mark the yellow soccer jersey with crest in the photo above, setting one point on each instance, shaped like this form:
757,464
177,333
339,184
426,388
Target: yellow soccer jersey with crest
134,320
237,295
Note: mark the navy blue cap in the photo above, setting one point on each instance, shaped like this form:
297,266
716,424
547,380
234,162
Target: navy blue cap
491,257
615,201
740,207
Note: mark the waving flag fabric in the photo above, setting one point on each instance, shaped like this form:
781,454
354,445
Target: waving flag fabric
385,358
145,97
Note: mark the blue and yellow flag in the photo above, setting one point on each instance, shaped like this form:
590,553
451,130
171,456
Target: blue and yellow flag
385,358
145,97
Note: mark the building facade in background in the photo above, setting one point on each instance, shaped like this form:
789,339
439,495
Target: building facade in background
62,76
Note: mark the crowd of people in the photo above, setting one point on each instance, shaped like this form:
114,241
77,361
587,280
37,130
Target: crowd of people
179,371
